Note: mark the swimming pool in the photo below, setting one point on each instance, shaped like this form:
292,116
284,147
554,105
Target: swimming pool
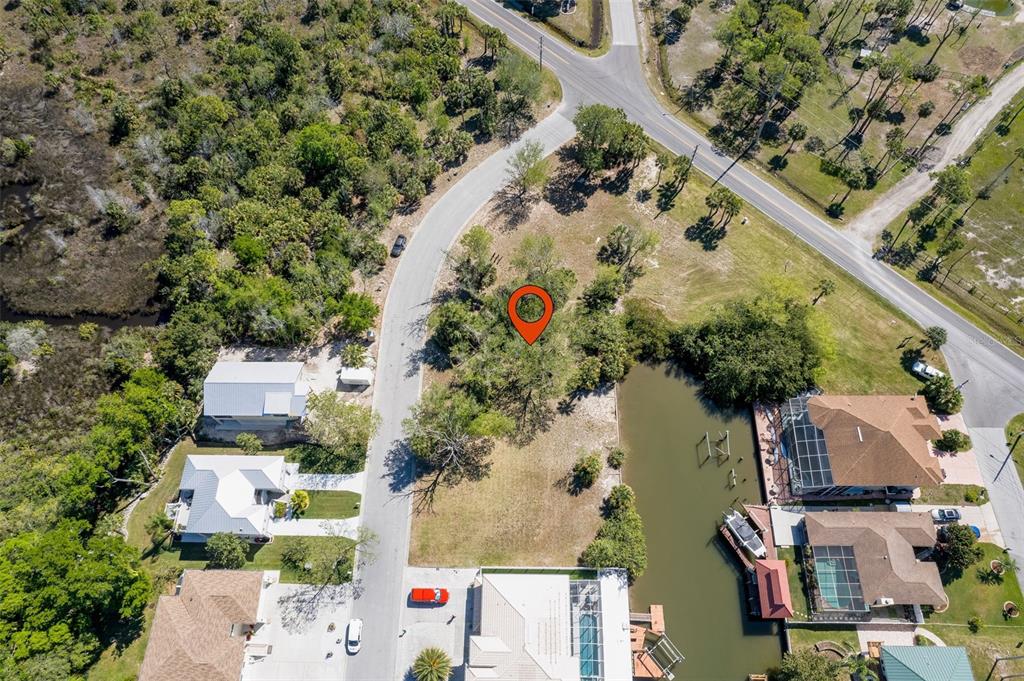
590,647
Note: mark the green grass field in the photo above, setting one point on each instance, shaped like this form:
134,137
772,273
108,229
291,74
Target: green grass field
805,637
334,505
952,495
797,592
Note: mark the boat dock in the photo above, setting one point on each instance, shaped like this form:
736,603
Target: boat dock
654,655
731,541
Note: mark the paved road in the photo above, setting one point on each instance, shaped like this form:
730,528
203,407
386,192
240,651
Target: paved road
995,391
870,223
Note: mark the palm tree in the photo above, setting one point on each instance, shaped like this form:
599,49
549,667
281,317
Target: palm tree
432,664
300,500
158,527
860,667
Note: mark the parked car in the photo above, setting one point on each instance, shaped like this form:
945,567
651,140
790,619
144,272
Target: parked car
399,246
433,596
925,370
354,636
945,515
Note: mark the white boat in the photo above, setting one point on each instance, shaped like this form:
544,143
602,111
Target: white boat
744,533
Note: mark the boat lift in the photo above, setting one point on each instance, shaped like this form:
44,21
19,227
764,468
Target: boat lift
720,450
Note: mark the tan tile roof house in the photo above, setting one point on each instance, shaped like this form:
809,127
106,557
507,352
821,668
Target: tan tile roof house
878,440
883,547
198,633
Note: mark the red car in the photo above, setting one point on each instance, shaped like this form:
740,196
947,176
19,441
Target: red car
433,596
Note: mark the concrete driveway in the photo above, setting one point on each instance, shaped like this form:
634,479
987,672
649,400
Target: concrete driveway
983,517
441,626
299,616
306,527
353,482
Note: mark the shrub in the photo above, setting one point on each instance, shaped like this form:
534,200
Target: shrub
942,395
296,553
619,499
616,458
974,624
249,443
88,331
300,500
585,471
972,494
620,543
353,355
280,508
953,440
226,551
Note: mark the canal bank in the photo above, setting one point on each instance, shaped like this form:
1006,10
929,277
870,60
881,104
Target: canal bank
681,496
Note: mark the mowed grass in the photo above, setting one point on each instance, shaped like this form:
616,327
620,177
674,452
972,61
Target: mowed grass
805,637
687,280
953,495
969,596
522,513
797,592
984,647
329,504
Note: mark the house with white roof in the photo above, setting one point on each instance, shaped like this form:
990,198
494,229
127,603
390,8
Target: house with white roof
255,395
545,626
233,494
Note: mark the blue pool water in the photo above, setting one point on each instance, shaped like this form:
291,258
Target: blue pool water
590,651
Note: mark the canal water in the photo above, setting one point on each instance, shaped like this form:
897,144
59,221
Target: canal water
681,498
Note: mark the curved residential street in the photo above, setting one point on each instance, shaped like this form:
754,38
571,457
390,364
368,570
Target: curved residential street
994,375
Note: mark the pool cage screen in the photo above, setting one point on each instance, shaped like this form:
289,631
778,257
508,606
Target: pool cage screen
585,604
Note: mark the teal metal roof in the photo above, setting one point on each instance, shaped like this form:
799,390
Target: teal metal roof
925,663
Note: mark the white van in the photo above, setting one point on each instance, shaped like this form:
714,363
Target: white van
354,637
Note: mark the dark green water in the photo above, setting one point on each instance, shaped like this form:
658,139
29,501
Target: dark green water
1000,7
662,421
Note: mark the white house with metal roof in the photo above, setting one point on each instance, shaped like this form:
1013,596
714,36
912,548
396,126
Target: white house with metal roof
233,494
255,395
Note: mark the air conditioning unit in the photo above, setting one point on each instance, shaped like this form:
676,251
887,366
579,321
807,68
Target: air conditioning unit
885,601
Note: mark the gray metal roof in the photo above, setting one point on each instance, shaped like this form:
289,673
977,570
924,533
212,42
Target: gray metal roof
254,389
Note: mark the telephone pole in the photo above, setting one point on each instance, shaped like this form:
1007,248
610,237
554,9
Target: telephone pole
542,53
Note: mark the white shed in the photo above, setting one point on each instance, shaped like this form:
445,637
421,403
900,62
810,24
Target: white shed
356,376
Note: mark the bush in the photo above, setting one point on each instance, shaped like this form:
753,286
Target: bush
953,440
226,551
358,313
88,331
974,624
648,329
619,499
280,509
585,472
959,549
299,501
973,494
249,443
616,458
620,542
942,395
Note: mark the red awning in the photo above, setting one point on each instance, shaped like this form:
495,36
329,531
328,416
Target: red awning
773,589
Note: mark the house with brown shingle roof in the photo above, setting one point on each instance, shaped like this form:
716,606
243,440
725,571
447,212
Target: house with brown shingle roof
199,632
852,444
859,561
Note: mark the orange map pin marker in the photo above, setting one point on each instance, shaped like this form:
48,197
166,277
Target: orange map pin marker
530,331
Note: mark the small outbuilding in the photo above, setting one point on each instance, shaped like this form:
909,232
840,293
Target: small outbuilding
925,663
358,376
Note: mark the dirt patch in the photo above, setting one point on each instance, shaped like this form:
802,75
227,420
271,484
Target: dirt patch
57,256
981,59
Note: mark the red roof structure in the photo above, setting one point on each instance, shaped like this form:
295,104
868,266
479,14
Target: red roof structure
773,589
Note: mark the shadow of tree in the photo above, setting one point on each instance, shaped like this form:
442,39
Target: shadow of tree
706,232
514,207
618,184
569,190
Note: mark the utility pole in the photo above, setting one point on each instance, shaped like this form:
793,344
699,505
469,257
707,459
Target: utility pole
542,53
954,265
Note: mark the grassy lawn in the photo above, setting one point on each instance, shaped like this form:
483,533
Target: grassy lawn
985,646
801,604
954,495
805,637
576,27
970,597
522,512
334,505
686,278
